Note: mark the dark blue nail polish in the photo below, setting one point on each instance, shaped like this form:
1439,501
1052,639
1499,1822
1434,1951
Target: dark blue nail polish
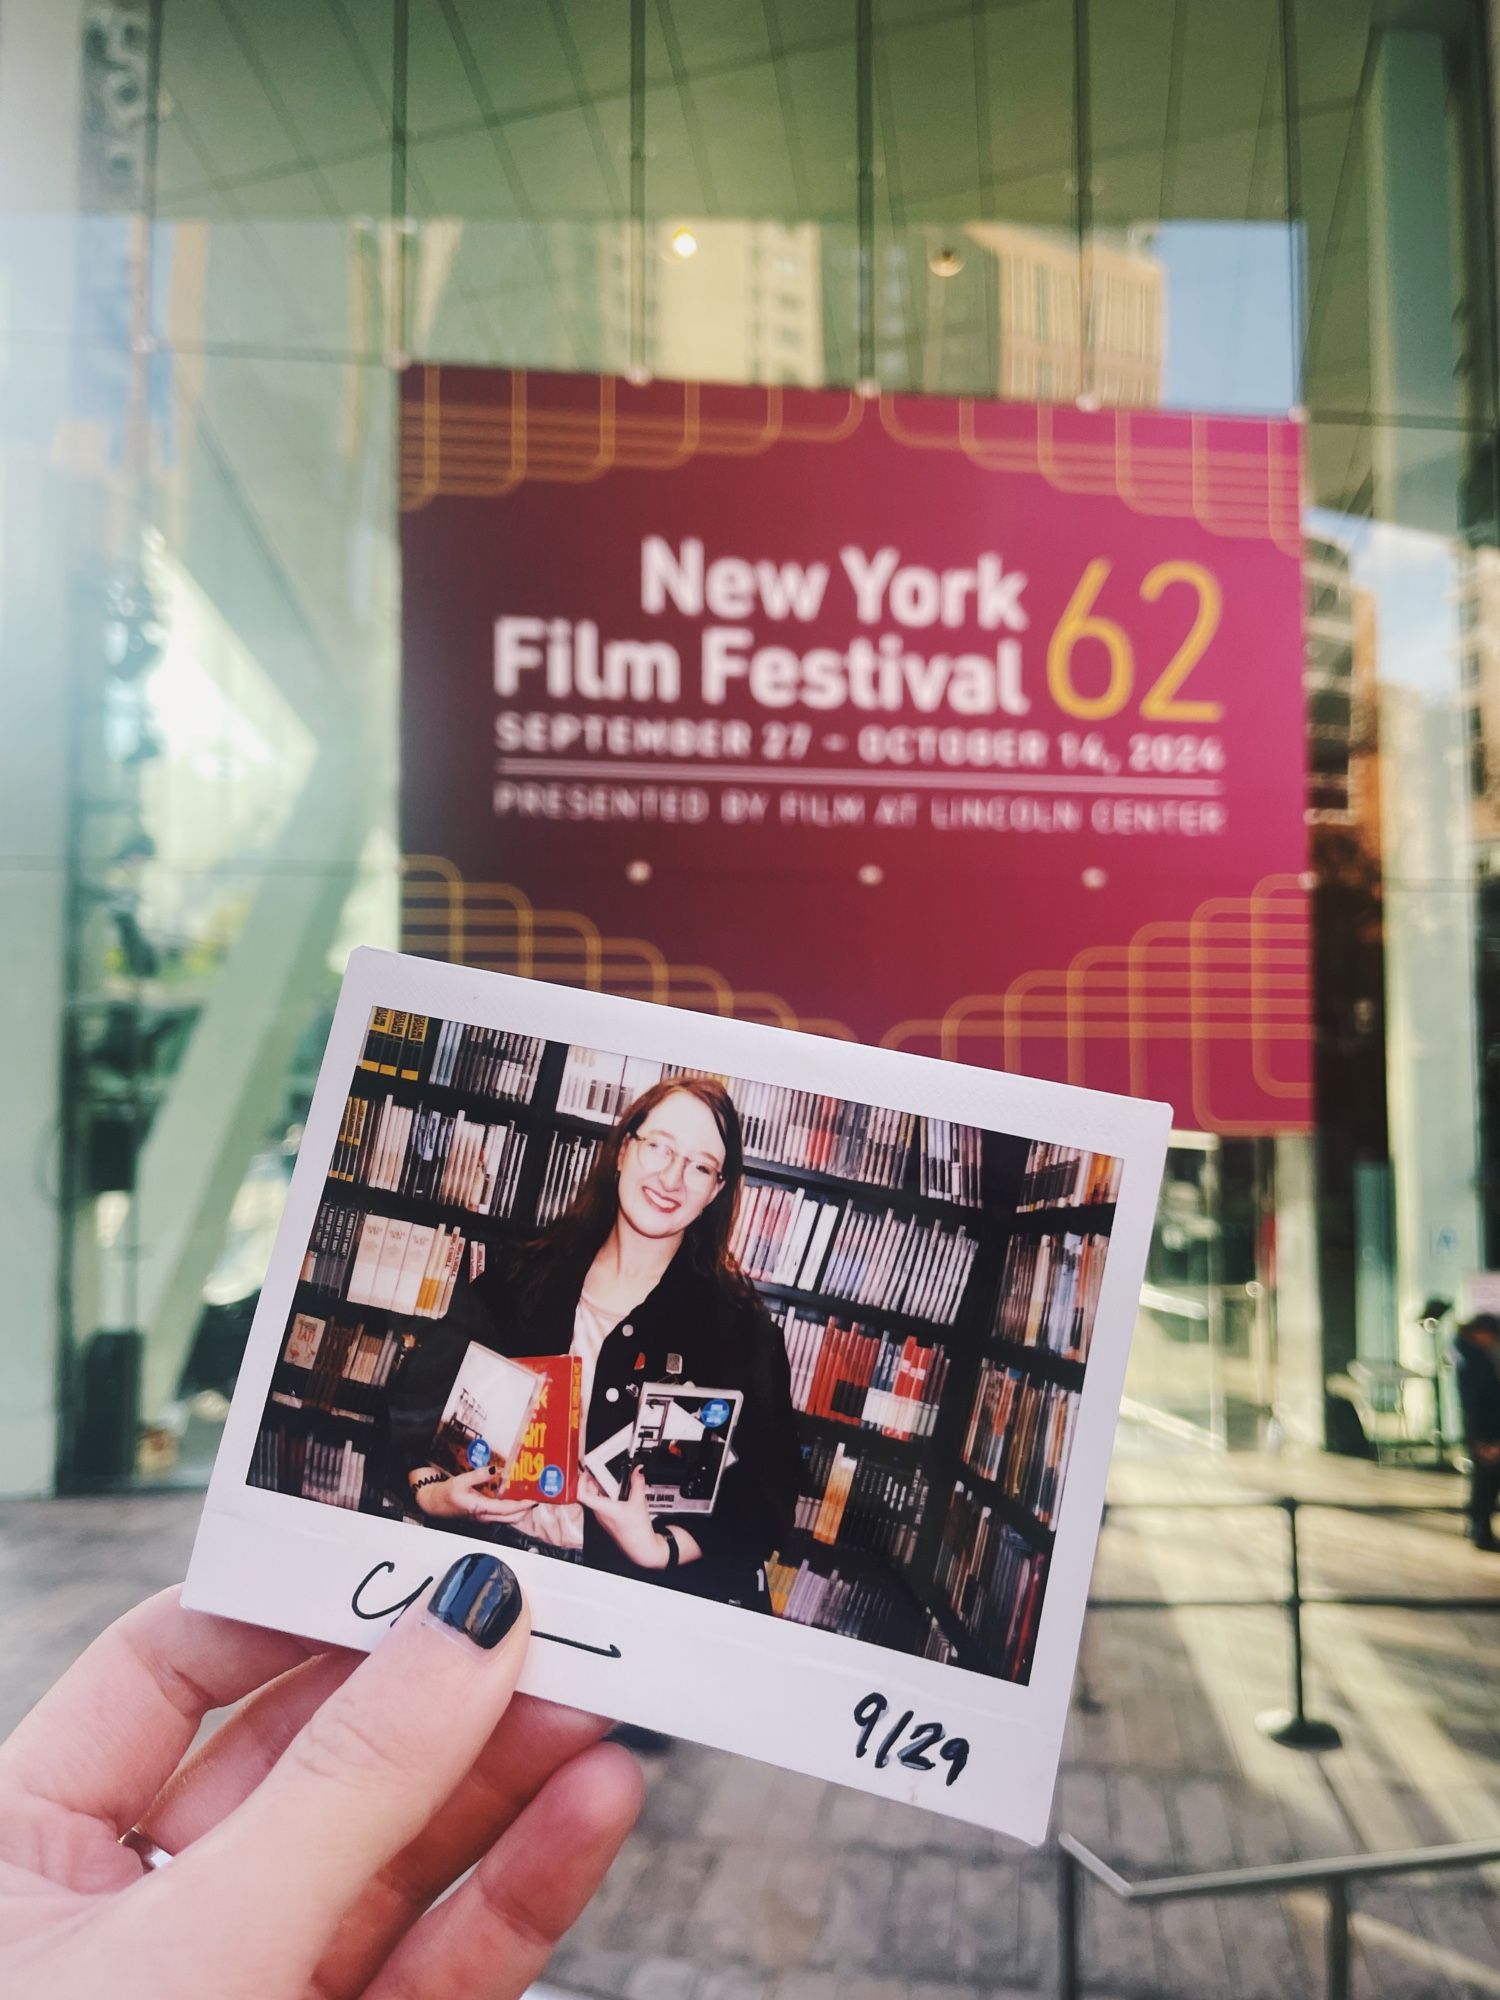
479,1597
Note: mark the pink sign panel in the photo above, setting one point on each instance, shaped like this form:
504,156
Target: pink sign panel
969,728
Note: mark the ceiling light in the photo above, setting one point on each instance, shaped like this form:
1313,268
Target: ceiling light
946,261
684,242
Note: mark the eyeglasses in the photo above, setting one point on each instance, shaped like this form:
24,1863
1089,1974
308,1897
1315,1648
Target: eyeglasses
658,1155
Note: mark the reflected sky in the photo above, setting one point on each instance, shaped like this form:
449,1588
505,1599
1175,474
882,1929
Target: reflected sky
1230,305
1411,574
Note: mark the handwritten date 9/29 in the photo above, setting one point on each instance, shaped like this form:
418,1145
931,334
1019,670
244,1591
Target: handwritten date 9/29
870,1713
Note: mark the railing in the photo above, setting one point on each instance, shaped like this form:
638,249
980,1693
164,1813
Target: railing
1333,1876
1292,1725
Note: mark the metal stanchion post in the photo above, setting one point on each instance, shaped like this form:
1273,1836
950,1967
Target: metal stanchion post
1293,1726
1336,1943
1069,1897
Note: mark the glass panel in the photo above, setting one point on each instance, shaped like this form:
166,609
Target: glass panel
272,178
1191,260
1389,98
69,403
250,847
750,148
1405,617
518,175
1175,1360
1204,1355
977,275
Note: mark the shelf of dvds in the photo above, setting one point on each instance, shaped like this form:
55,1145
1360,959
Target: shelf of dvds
903,1200
327,1455
845,1430
848,1591
1014,1513
532,1112
901,1590
839,1306
334,1413
416,1208
954,1630
314,1388
1095,1217
1042,1362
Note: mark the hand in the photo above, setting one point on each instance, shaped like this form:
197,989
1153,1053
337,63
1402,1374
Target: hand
627,1520
514,1513
315,1828
464,1497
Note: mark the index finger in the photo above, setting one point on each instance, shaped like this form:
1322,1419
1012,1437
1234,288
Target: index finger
108,1735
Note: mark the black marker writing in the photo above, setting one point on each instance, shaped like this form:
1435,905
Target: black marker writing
871,1709
391,1611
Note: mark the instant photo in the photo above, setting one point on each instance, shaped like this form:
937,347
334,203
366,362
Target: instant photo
857,1419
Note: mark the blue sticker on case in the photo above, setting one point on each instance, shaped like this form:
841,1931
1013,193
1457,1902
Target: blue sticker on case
551,1481
714,1413
478,1453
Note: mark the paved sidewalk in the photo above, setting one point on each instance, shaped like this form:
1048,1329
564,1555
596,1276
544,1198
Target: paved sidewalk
745,1883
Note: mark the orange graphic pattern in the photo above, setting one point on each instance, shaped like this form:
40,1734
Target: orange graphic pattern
1238,478
496,928
1237,971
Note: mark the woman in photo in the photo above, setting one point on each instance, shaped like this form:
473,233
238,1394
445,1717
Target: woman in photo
638,1281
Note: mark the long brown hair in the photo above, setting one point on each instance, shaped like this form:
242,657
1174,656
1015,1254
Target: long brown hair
579,1233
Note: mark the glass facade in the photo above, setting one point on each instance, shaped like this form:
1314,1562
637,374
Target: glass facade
225,230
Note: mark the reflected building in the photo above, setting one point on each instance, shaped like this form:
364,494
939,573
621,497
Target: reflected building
725,300
1000,309
1339,675
734,301
1477,590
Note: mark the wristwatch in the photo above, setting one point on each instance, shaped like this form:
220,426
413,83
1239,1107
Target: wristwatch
673,1552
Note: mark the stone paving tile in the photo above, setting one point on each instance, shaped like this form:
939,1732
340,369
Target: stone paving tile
867,1986
662,1979
796,1900
920,1933
808,1986
1191,1943
728,1911
855,1912
1120,1944
731,1982
1035,1956
577,1968
986,1920
1140,1823
666,1900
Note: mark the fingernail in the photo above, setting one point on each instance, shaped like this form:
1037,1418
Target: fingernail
479,1597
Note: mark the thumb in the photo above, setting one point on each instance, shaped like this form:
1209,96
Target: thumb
265,1891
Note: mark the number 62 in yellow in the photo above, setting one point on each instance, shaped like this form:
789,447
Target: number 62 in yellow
1081,621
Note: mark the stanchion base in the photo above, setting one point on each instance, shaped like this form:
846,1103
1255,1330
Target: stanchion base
1297,1732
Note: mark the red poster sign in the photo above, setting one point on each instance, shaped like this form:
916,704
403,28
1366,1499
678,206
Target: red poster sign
971,728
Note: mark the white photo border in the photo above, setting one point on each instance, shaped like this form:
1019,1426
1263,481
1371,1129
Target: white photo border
762,1686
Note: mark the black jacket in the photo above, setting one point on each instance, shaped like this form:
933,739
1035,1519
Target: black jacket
725,1342
1478,1391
